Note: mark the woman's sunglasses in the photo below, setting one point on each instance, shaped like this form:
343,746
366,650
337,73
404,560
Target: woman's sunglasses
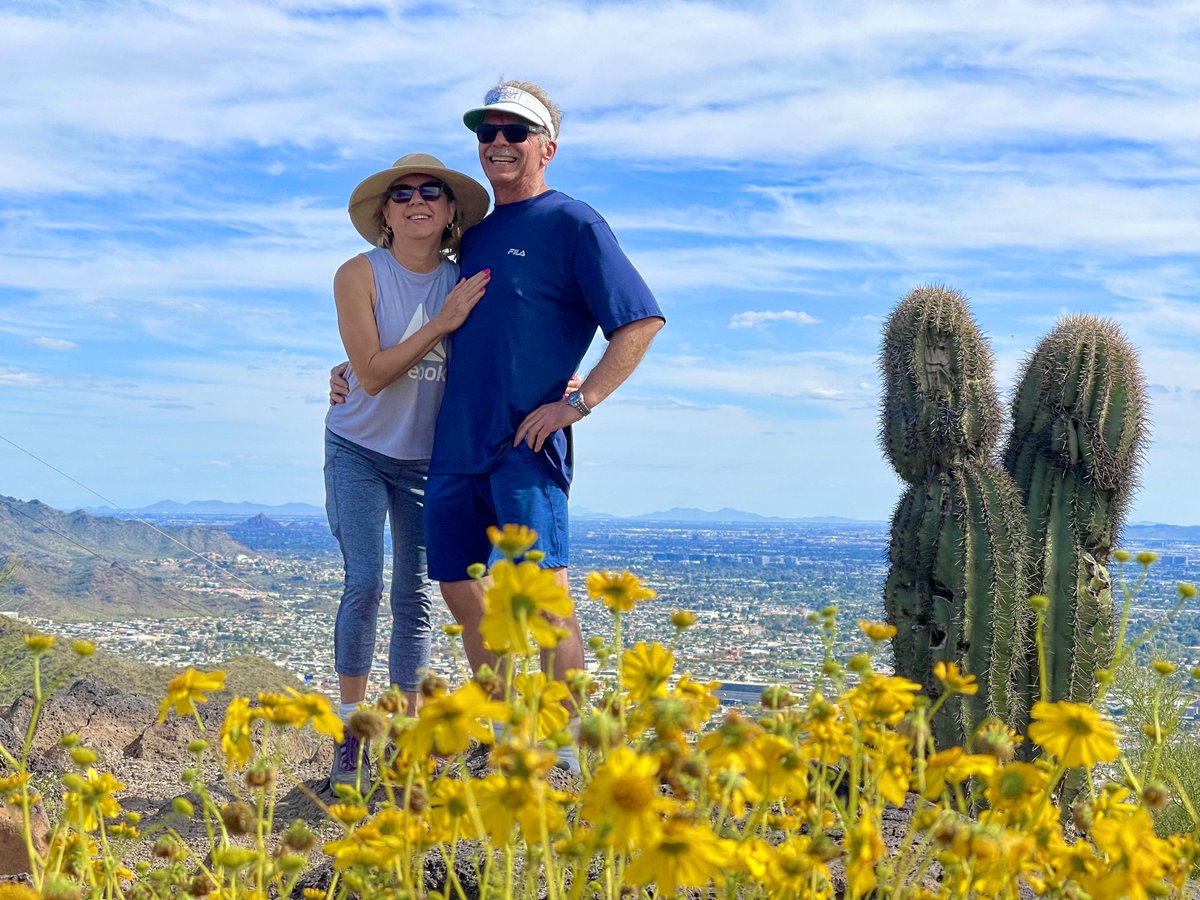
430,190
514,134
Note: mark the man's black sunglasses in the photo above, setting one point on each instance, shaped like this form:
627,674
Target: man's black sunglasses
514,134
430,190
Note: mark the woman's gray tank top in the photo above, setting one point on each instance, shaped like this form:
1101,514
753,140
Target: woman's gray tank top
399,420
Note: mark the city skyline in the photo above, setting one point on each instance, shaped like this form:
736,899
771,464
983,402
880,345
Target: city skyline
173,181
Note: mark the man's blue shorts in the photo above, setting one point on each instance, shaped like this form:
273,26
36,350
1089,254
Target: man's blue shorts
459,509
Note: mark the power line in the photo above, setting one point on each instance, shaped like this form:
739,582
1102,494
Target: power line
194,553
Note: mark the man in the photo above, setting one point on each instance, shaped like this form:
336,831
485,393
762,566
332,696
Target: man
502,449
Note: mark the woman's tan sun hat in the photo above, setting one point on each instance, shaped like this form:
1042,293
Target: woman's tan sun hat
468,193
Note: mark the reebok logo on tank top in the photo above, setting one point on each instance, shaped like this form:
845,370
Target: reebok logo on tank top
432,366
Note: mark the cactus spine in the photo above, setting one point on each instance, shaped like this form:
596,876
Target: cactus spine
1079,433
956,588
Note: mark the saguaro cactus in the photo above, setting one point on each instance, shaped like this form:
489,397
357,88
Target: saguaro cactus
939,403
956,589
1079,433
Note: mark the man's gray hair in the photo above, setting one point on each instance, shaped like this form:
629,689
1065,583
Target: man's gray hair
538,91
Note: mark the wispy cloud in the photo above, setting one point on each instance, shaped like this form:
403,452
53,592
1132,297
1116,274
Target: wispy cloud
751,319
54,343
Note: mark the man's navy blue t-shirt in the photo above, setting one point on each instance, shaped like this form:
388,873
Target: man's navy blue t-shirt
558,274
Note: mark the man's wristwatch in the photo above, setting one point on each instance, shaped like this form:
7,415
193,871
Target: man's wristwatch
575,398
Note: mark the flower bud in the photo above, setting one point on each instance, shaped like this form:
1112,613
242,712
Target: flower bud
366,724
260,775
777,696
683,619
239,817
860,663
183,806
291,863
299,837
37,644
83,756
1156,796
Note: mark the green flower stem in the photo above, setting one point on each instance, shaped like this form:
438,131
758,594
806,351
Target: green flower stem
1043,671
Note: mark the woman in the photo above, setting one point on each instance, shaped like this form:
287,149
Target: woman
395,304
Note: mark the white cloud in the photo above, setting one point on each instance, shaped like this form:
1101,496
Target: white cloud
750,319
54,343
10,377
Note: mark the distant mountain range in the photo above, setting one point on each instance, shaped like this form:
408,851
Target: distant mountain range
223,508
212,508
226,509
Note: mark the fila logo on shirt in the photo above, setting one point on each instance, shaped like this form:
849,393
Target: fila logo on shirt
513,251
433,366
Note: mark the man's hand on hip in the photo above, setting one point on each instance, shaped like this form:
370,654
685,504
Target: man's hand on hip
544,421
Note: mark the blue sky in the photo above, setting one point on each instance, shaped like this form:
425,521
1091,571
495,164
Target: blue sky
174,175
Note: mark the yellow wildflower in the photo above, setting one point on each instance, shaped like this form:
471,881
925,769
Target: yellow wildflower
517,602
188,689
883,698
1074,732
549,697
794,870
446,723
505,801
829,738
298,710
864,849
235,733
732,745
890,763
954,680
1136,860
624,795
37,644
89,797
512,540
390,837
877,631
687,854
778,768
954,766
450,809
619,591
645,670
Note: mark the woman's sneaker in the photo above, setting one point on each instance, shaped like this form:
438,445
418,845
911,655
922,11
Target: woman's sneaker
345,762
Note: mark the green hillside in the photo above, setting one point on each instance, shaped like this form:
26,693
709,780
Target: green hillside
245,675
